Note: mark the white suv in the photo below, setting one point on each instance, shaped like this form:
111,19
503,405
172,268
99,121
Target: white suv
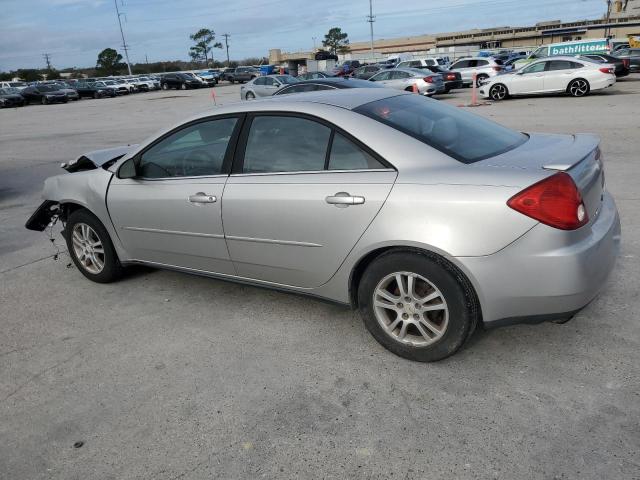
484,67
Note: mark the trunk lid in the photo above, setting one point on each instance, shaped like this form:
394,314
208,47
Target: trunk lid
578,155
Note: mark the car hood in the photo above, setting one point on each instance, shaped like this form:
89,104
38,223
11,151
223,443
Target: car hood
97,158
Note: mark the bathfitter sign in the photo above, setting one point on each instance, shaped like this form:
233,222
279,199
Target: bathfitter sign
579,48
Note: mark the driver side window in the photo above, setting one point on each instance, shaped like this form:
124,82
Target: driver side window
535,68
197,150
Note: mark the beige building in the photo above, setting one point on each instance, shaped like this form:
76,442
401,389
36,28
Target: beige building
624,20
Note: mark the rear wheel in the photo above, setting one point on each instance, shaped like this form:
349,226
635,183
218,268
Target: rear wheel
164,86
44,100
96,95
183,86
417,305
578,87
90,247
498,92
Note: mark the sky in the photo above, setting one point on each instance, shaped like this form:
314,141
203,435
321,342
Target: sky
73,32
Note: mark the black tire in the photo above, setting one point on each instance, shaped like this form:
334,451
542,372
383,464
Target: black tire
249,96
499,92
578,88
164,86
481,78
463,311
44,101
112,269
96,95
183,86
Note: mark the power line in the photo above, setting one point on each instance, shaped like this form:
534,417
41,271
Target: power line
226,43
124,44
371,18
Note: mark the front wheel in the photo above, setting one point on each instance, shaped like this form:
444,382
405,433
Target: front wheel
498,92
44,100
164,86
250,96
417,305
578,87
183,86
90,248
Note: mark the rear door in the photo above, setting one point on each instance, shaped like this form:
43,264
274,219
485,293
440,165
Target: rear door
301,195
559,74
170,214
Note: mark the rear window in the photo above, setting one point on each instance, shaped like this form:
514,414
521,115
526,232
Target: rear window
462,135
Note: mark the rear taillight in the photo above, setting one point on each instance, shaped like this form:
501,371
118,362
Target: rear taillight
606,69
625,62
428,79
554,201
451,76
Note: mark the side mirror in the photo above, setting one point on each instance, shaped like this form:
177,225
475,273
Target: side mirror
127,169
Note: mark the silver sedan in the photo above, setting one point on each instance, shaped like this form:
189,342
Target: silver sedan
426,218
265,86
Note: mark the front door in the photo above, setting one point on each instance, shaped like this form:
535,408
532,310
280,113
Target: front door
303,195
171,213
531,80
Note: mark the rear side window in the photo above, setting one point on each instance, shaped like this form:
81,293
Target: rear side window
346,155
563,65
285,144
462,135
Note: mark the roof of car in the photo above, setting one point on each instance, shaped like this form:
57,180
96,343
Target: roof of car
339,82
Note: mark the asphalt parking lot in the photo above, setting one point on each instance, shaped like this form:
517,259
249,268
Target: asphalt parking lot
169,376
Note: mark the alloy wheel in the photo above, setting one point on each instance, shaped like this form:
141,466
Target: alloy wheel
579,88
410,309
88,248
498,92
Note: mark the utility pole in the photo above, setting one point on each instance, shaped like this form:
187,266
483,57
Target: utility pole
124,44
47,58
371,18
607,29
226,43
314,43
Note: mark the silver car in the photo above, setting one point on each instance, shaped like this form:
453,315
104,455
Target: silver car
426,218
408,79
483,67
264,86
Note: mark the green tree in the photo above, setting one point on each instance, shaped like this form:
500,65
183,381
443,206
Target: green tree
28,74
336,41
109,62
204,44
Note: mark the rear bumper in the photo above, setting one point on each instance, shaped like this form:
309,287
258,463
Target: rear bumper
547,273
453,84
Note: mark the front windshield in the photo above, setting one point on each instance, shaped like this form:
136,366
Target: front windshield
108,82
47,88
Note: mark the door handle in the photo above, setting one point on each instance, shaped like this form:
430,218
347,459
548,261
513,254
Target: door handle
343,199
201,197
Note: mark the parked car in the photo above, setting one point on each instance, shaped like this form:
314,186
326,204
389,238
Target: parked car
69,91
571,75
145,84
180,81
130,83
227,73
243,74
95,90
360,196
10,97
452,80
44,94
484,68
367,71
346,68
315,75
209,77
265,86
120,88
330,83
510,64
621,65
406,79
18,85
419,63
631,54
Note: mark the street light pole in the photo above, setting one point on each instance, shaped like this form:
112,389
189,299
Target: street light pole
371,19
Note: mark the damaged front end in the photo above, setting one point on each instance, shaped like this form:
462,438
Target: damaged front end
98,158
47,213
